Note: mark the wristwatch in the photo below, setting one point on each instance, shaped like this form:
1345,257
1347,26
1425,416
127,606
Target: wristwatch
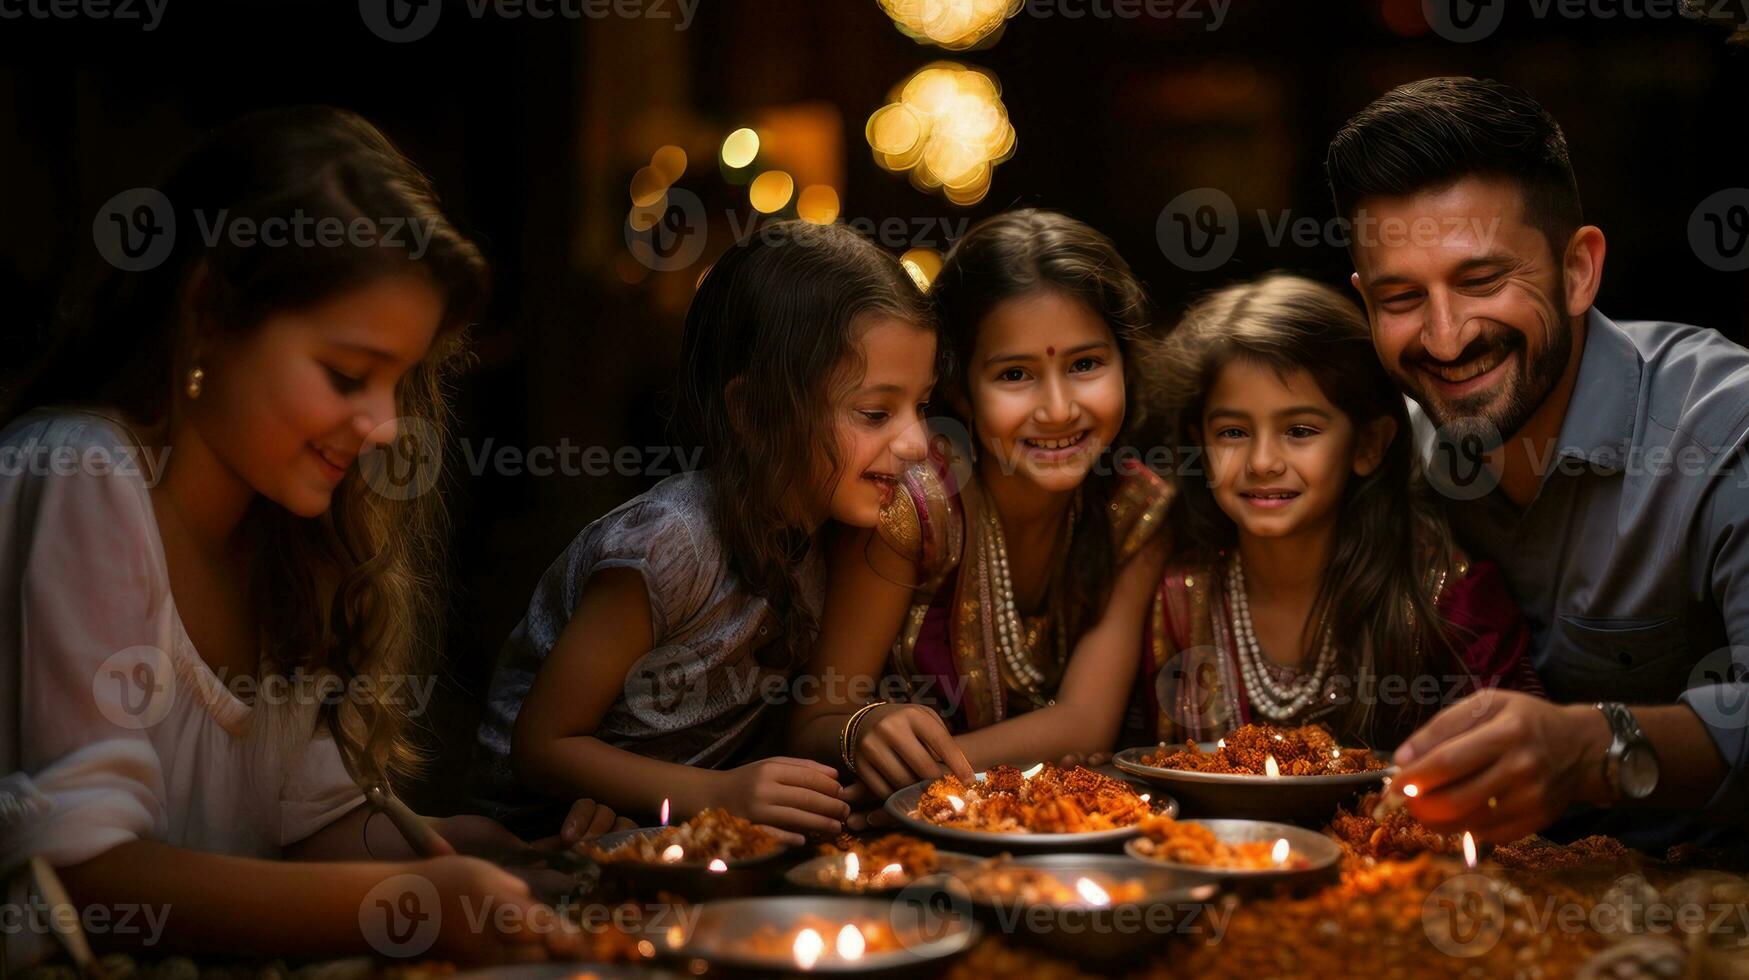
1630,767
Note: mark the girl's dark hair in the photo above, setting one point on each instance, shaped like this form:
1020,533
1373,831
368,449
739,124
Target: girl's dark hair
1429,133
355,591
1375,595
1022,253
770,339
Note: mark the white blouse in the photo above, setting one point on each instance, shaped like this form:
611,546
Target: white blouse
112,727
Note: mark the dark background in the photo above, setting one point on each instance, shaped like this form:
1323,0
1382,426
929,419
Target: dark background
533,128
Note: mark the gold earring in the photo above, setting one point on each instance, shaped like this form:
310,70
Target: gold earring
195,377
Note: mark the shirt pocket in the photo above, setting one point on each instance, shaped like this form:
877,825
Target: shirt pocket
1636,659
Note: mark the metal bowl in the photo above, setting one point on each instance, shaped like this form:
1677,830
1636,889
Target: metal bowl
718,933
1320,854
806,877
903,804
1103,934
688,879
1309,800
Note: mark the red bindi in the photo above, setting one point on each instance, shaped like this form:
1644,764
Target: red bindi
1050,352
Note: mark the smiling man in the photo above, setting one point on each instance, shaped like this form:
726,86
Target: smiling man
1600,464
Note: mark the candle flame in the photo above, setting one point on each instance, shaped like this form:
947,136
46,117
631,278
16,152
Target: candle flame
673,853
891,872
664,811
852,867
959,805
1469,850
1335,753
717,865
1411,790
1035,770
1091,892
808,948
1269,767
1220,743
1280,852
850,943
1146,797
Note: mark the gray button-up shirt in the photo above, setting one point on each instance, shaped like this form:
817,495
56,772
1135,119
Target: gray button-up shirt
1632,561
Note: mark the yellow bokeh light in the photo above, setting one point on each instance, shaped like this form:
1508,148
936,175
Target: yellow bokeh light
648,187
740,148
953,24
946,128
644,216
770,191
924,264
669,163
818,203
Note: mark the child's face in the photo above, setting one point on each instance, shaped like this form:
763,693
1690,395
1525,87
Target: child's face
1279,453
290,405
880,427
1047,388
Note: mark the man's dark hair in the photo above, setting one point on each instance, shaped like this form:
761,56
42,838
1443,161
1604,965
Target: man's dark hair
1428,134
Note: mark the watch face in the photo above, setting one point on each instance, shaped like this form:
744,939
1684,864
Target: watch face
1639,773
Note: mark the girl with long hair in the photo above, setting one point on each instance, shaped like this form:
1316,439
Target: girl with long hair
1314,580
1005,591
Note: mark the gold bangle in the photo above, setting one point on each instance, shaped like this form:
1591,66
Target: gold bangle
847,738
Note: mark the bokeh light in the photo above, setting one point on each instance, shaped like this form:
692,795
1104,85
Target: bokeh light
957,25
923,264
739,148
947,128
770,191
818,203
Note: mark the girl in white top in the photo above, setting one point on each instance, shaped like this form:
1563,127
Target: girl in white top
201,578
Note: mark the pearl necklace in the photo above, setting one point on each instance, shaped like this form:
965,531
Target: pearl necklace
1275,701
1011,639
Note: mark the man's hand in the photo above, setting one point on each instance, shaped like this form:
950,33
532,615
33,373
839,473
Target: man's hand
1502,764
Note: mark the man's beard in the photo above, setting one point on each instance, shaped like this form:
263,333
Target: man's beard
1489,416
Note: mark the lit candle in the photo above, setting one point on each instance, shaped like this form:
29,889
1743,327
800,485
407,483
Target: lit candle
1411,790
808,948
850,943
1146,797
1335,753
664,811
1220,743
676,936
1469,850
891,872
1270,769
717,865
852,867
1035,770
1280,852
1091,892
673,853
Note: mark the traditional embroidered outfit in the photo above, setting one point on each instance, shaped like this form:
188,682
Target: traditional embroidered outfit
1209,678
964,648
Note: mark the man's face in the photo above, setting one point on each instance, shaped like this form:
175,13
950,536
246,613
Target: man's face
1467,303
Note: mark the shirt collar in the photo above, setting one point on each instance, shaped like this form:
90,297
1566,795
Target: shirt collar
1599,426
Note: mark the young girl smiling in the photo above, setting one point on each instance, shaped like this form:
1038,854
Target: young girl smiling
1316,582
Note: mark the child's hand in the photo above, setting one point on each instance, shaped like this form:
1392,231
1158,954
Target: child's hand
789,796
901,744
591,819
486,915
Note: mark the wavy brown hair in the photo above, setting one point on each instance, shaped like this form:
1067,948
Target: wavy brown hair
1375,594
770,339
1022,253
356,591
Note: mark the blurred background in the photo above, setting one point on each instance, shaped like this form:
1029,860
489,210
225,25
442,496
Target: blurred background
604,153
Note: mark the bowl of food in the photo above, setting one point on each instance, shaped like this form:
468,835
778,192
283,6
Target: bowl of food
792,935
1043,808
878,867
1260,772
1093,908
1250,851
714,855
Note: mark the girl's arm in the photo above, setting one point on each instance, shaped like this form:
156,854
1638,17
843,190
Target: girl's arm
554,749
196,902
1090,703
897,744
